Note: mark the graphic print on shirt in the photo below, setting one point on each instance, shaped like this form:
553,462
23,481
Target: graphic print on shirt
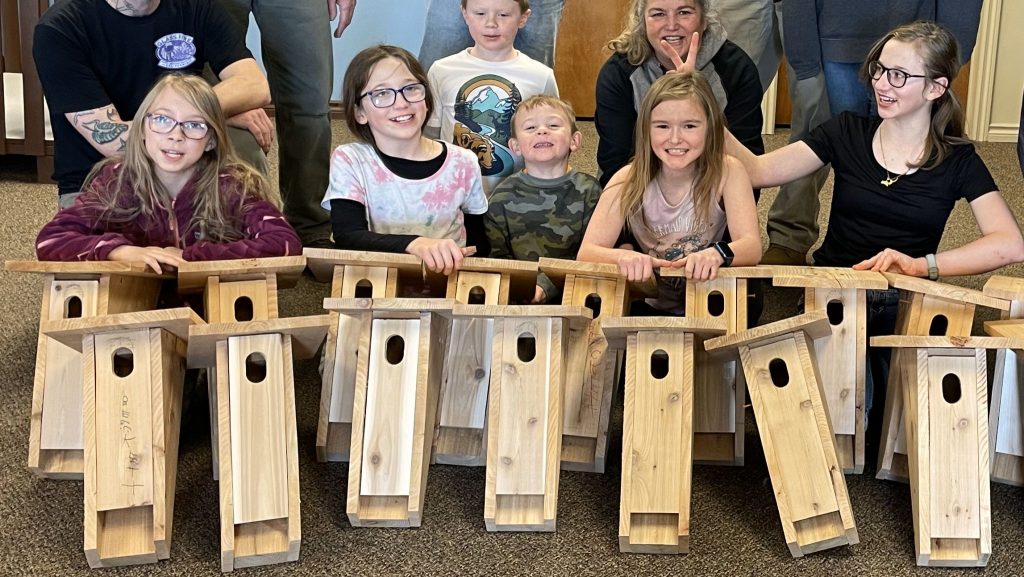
175,51
483,122
677,239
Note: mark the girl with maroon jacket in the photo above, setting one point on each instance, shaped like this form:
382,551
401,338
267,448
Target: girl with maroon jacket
178,194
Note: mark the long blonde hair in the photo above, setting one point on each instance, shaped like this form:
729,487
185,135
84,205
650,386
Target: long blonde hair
632,41
940,53
646,165
137,179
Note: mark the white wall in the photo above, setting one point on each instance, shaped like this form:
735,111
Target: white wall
398,22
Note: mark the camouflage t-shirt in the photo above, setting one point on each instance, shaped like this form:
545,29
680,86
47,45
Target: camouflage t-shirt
529,217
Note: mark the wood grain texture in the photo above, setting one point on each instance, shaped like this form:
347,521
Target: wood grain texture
307,333
193,275
949,292
71,331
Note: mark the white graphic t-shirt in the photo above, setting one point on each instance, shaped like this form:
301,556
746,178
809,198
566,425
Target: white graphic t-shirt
474,101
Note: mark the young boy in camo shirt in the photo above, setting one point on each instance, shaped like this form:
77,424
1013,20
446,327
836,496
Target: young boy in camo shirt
542,210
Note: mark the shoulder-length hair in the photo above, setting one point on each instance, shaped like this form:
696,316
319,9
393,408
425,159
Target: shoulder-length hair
136,192
940,53
646,165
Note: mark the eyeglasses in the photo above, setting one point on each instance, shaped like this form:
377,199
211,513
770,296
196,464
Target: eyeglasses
384,97
192,129
897,78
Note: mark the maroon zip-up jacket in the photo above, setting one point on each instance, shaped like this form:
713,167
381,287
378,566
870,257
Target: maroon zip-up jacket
78,233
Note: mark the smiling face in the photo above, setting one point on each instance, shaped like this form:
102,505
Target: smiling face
174,156
493,24
544,136
674,21
678,132
914,96
399,123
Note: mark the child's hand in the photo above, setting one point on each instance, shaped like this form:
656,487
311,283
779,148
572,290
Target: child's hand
151,256
688,65
539,296
890,260
638,267
440,255
701,265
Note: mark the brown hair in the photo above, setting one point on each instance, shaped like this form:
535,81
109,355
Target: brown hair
632,41
137,173
940,53
358,74
646,165
524,5
539,100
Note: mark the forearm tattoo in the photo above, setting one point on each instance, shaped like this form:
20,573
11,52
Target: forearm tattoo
127,7
102,131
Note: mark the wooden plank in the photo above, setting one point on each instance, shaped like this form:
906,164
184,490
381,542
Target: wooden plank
571,312
321,261
953,464
351,329
387,451
828,277
125,294
383,307
307,333
946,291
167,401
84,270
192,275
258,428
467,375
522,418
837,355
814,324
1004,287
561,271
60,425
957,343
225,472
89,475
124,425
71,331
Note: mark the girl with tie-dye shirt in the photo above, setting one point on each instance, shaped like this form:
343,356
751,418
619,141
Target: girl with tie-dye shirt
396,190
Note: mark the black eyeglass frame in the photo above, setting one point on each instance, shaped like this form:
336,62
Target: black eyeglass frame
206,126
876,69
394,94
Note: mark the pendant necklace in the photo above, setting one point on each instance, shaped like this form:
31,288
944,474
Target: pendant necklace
889,179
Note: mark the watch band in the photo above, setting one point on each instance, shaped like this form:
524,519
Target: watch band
933,267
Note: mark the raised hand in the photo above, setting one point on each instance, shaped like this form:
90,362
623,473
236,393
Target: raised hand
688,65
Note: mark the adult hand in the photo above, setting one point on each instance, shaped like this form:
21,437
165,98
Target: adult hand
701,265
151,256
890,260
258,123
539,296
439,255
688,65
342,10
638,267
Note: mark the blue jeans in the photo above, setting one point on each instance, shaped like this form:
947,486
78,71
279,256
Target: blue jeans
299,60
846,92
447,32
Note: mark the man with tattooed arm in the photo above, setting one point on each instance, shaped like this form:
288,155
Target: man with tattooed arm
98,58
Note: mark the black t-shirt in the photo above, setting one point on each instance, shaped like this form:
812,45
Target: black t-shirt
89,55
909,216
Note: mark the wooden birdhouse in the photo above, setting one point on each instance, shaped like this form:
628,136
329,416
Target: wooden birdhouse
252,351
927,308
132,375
355,274
73,290
795,428
657,429
945,407
398,381
592,371
1004,423
842,356
524,406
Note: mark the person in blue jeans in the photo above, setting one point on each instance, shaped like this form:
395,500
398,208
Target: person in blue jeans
447,32
298,57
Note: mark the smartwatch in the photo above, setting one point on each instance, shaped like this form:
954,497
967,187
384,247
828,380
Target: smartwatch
725,252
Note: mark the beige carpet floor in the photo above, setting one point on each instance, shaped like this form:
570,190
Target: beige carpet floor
734,521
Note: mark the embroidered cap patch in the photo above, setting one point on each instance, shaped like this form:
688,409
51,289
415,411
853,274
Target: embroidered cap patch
175,51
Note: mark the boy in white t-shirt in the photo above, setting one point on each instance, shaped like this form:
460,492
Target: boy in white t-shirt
478,90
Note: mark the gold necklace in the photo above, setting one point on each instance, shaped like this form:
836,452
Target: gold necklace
889,179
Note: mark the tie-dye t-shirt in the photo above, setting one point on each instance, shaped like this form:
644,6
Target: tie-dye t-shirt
431,207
